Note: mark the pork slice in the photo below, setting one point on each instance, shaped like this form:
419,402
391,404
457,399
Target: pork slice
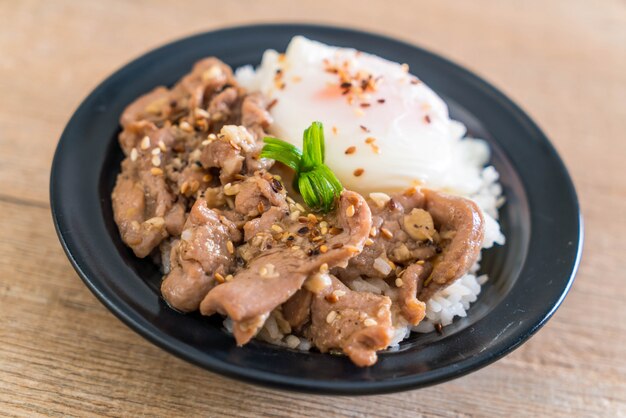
222,105
461,219
271,278
389,241
228,152
208,75
140,203
259,193
256,118
358,323
175,219
255,115
411,308
264,222
297,310
152,106
199,257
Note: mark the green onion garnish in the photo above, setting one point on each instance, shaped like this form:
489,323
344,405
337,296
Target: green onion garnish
318,186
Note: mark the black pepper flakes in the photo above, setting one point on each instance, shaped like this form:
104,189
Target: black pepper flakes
277,186
303,231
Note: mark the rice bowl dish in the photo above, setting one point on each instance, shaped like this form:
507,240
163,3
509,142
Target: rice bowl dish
183,197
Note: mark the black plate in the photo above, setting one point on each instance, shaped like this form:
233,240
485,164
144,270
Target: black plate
530,275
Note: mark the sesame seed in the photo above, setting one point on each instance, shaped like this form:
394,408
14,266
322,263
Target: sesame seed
184,187
386,233
323,248
364,128
219,278
145,143
405,67
399,282
205,142
373,231
334,130
230,247
134,154
370,140
331,317
359,112
300,207
185,126
350,211
352,249
228,278
369,242
350,150
231,190
358,172
201,112
324,268
312,218
155,151
207,178
339,293
156,171
292,341
156,160
370,322
277,228
162,146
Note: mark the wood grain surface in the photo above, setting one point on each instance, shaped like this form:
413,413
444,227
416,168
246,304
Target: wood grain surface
63,353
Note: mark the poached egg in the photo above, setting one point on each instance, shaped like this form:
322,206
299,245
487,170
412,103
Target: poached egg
385,130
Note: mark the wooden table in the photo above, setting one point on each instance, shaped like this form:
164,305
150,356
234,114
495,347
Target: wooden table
63,353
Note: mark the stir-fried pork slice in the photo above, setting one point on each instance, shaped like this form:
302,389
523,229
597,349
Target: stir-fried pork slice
259,193
141,202
229,151
389,242
204,254
207,76
271,278
297,310
411,308
255,115
149,107
462,221
358,323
